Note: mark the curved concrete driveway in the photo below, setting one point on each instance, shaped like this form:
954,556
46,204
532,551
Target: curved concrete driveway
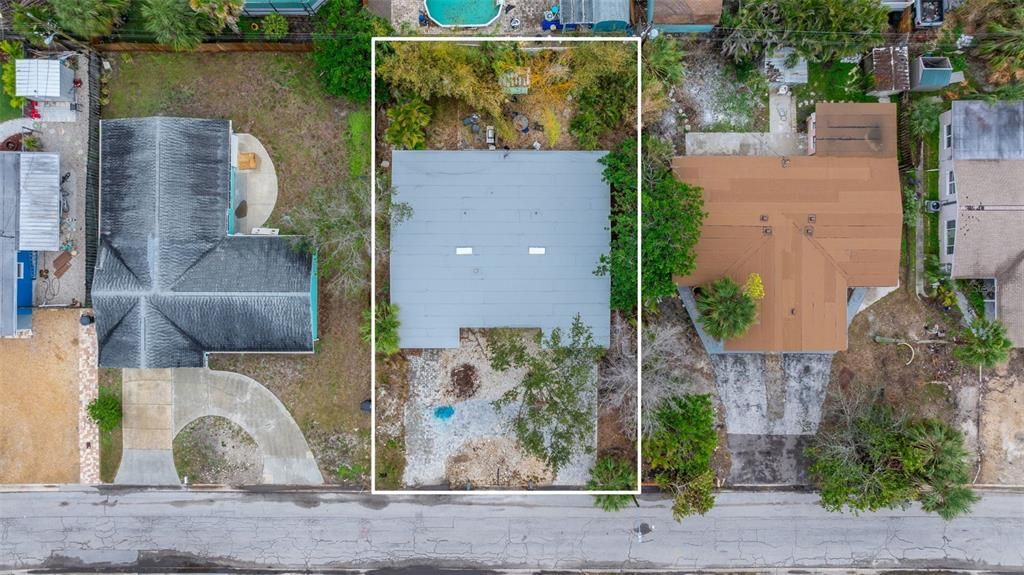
200,392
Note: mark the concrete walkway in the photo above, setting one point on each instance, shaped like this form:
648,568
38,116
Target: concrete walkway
159,403
258,187
200,392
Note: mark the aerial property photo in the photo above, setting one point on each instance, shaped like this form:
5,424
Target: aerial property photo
495,331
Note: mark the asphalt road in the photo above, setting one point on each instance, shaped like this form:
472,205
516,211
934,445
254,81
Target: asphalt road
167,529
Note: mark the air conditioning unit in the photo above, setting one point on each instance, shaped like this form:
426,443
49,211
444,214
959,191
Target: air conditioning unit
933,206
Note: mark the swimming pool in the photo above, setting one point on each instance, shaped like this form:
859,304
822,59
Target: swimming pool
463,13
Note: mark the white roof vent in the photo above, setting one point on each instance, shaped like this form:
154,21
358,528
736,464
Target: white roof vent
537,251
464,251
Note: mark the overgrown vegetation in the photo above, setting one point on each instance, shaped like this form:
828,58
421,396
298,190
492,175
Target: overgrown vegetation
275,26
673,213
678,452
612,473
604,88
174,23
88,18
387,328
12,50
820,30
105,410
342,46
621,260
407,124
554,417
869,457
998,30
726,309
662,60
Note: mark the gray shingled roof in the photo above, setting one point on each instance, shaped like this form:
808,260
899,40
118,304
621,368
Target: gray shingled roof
988,130
170,285
500,204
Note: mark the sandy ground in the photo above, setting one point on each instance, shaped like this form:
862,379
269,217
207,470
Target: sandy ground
39,411
1001,428
215,450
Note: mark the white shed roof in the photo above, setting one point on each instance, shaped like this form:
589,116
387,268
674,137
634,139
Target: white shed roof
38,78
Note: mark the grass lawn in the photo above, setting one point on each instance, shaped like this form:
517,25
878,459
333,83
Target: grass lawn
110,442
931,220
7,112
830,82
277,98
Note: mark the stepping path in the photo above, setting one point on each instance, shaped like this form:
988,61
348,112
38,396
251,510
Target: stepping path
159,403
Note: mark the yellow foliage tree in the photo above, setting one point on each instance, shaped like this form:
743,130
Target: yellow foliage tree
754,287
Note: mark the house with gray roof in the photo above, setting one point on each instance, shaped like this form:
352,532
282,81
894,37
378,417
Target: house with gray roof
171,284
29,224
498,239
981,189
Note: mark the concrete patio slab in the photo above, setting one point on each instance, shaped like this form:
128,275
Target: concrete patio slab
257,187
781,112
745,144
147,428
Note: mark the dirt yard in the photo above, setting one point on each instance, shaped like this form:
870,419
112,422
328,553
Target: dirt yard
549,128
276,98
716,96
1002,424
215,450
39,411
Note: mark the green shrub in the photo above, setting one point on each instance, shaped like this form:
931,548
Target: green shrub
869,458
173,23
604,87
408,122
30,21
105,410
347,473
612,474
726,311
679,450
341,48
387,328
12,50
275,26
621,261
88,18
911,206
357,143
983,344
555,419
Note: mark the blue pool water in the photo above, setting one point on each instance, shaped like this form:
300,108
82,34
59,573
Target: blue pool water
444,412
463,12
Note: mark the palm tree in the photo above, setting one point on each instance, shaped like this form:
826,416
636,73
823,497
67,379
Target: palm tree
983,344
173,23
88,18
1004,42
726,310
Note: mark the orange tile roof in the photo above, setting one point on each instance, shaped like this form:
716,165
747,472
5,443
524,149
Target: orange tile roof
811,226
855,129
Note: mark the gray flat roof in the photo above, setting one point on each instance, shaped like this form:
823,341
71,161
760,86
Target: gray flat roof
500,204
988,130
8,244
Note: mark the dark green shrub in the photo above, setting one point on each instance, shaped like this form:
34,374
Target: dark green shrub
88,18
341,48
612,474
621,261
105,410
679,450
726,309
275,26
387,328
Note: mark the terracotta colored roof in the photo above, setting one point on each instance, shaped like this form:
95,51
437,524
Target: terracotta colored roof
687,11
855,129
811,226
990,233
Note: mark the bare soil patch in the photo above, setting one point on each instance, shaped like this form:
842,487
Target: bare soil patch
464,381
1001,429
39,410
215,450
495,462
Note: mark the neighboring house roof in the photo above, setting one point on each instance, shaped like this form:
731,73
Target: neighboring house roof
170,285
500,204
811,226
687,11
990,233
29,219
855,129
988,130
890,69
593,11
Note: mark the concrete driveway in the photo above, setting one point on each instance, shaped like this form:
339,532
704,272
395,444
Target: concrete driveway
159,403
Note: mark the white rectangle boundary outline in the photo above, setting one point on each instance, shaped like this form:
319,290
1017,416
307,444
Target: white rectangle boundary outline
373,261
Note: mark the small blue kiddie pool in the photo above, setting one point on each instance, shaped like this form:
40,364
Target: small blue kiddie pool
444,412
463,13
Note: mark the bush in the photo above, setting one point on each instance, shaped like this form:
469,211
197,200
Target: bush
983,344
387,328
341,48
408,124
612,474
868,458
673,213
105,410
726,309
621,261
911,206
679,450
220,12
604,76
88,18
173,23
555,418
12,50
275,26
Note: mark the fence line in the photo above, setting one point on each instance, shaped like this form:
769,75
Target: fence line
211,47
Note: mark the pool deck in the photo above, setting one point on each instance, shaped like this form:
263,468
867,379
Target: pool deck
405,15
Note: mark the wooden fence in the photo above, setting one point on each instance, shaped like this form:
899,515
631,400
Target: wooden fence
208,47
